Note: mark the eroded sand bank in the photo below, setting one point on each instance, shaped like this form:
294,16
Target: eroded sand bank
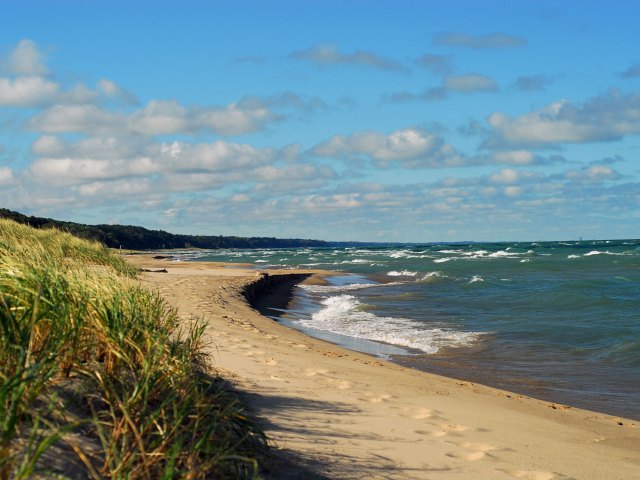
345,415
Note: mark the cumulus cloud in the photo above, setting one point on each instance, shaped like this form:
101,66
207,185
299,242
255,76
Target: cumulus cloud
329,54
27,91
113,90
162,117
409,148
110,158
532,83
26,59
97,169
610,116
491,40
84,118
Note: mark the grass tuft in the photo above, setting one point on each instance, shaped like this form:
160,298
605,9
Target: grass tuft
95,365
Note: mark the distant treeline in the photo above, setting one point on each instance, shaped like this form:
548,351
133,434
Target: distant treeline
139,238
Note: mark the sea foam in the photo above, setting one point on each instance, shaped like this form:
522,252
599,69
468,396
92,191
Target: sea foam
342,315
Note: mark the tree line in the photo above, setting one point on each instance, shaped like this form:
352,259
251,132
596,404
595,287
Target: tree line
140,238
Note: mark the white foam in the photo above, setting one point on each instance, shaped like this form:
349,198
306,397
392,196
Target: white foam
476,278
355,261
344,288
597,252
573,256
342,315
403,273
431,277
405,254
442,260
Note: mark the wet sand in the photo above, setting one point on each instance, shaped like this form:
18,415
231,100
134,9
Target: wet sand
339,414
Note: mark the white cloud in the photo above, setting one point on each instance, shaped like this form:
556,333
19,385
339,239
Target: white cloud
47,145
216,157
76,118
593,174
113,90
26,91
409,148
26,59
233,119
508,175
160,117
610,116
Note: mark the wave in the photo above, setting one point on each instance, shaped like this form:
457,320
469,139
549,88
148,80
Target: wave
431,277
598,252
344,288
442,260
343,315
403,273
476,278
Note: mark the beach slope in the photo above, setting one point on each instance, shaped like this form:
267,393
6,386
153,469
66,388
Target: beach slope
334,413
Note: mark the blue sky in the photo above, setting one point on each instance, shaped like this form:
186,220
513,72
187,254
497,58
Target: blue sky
407,121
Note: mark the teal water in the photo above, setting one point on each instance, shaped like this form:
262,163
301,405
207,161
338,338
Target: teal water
558,321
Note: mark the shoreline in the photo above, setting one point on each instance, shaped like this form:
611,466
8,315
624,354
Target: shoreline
447,362
338,413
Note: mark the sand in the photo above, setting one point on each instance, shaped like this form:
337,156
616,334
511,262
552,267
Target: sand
334,413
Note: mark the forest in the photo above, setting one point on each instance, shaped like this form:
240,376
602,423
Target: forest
140,238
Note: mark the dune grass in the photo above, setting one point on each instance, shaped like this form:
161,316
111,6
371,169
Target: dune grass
95,366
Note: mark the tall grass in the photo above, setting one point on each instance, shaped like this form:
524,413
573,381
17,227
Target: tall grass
94,364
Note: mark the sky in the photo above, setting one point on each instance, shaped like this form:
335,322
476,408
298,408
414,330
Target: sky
390,121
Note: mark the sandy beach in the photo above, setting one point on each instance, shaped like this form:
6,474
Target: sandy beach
339,414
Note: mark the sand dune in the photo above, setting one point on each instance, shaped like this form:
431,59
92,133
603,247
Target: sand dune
334,413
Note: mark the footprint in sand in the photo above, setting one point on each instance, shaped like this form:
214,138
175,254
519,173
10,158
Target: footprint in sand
453,427
472,451
422,414
271,362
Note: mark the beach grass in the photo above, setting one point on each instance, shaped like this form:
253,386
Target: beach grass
94,366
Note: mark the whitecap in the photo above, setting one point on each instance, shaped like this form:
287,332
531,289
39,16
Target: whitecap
476,278
442,260
403,273
344,288
342,315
